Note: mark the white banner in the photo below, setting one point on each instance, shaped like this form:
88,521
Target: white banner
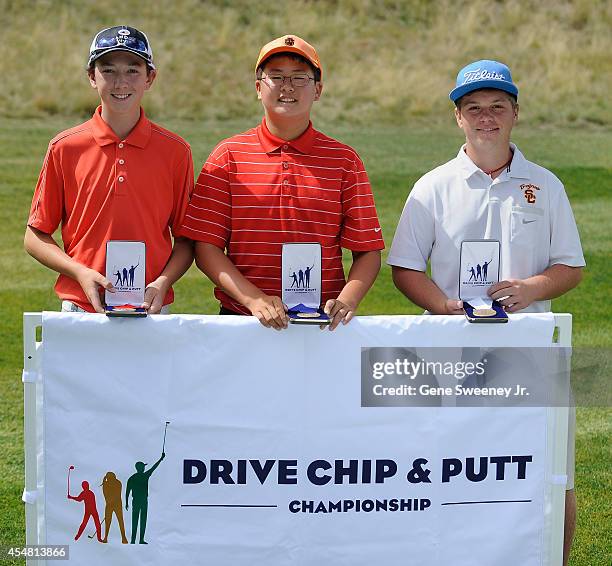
270,458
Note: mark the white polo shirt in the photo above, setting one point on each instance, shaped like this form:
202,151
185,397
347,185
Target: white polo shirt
525,208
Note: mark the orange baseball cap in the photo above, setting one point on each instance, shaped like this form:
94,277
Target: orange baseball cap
290,44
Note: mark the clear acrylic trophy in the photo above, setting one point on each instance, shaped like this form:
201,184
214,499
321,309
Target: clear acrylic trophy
479,268
301,283
125,269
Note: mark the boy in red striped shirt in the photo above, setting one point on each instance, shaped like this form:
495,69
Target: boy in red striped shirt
284,182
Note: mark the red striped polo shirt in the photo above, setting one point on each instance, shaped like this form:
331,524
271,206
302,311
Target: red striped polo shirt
256,192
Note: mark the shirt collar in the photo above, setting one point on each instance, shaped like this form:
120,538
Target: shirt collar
104,135
270,142
518,166
468,167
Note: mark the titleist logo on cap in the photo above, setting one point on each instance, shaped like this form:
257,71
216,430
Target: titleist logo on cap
481,75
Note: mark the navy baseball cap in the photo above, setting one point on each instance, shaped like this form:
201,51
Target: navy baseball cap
483,74
121,38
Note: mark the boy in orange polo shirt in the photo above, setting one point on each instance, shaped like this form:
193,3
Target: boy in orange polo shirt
284,182
118,176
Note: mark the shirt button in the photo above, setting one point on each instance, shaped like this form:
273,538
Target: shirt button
120,179
285,146
121,161
285,165
286,182
120,145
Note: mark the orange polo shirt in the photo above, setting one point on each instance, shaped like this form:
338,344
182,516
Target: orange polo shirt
101,188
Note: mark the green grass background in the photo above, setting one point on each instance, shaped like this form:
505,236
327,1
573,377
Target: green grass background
389,66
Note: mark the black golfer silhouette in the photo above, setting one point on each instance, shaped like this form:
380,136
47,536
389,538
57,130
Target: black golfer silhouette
485,267
307,275
132,271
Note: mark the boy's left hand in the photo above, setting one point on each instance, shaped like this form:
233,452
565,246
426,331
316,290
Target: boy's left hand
154,295
338,311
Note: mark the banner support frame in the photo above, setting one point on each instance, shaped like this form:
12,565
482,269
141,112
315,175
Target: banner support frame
32,354
558,421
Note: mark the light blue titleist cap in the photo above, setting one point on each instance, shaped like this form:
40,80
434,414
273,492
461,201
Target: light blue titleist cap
483,74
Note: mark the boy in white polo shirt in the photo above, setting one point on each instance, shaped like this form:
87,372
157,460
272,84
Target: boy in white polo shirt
489,191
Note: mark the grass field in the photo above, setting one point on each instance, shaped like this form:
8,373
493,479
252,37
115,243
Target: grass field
395,157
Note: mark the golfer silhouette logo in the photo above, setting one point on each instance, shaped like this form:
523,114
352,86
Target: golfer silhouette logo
480,272
301,279
137,486
111,488
88,497
124,277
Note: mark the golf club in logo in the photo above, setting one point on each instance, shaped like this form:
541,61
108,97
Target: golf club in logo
137,487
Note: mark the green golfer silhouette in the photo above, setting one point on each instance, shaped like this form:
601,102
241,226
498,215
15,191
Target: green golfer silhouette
138,486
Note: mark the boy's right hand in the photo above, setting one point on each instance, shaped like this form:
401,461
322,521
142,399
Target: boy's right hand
92,284
270,311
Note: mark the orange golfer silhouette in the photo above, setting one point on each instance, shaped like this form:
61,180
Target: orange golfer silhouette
88,497
111,487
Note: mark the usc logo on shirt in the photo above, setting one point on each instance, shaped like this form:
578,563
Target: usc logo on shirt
528,192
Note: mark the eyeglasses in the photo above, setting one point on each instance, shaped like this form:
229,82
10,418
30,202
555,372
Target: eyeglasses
296,81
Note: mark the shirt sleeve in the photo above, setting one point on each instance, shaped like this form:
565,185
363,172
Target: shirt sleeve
565,247
415,234
360,226
47,207
208,215
183,190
